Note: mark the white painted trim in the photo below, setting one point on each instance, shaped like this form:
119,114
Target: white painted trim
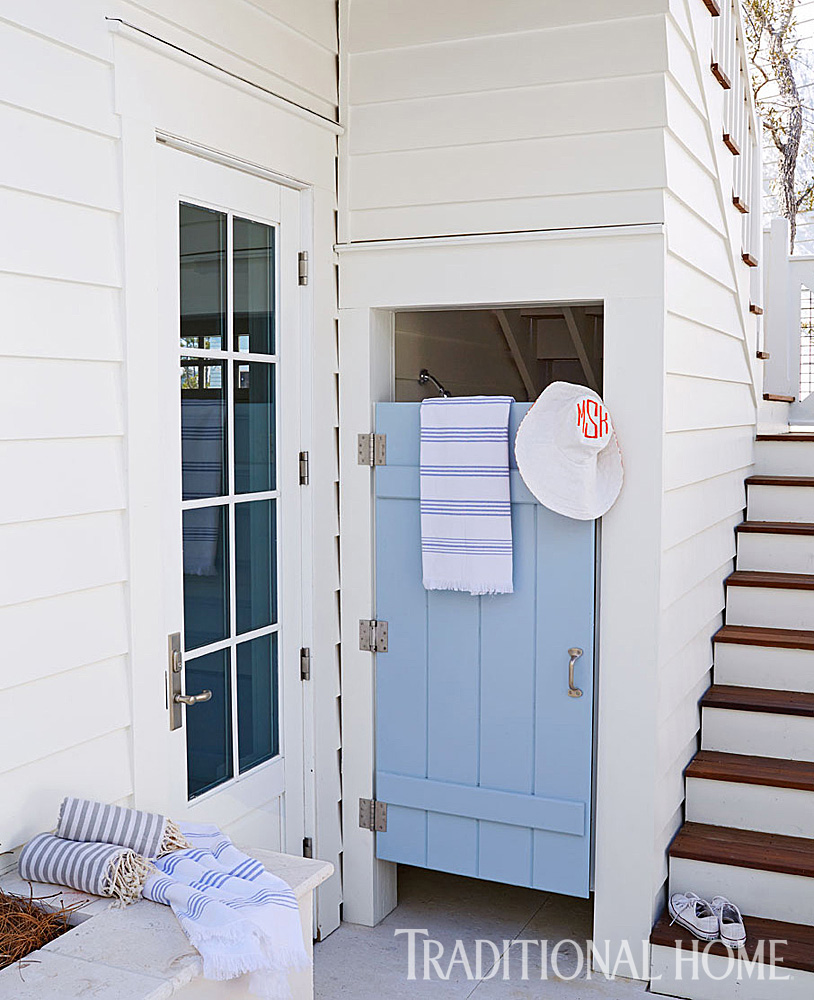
527,236
226,160
172,51
510,270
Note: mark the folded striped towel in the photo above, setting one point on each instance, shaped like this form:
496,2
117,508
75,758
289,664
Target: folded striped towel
241,918
148,834
102,869
466,526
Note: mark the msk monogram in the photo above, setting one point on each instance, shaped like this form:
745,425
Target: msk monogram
592,419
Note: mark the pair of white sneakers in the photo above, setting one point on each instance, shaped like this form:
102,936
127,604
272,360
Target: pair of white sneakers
718,920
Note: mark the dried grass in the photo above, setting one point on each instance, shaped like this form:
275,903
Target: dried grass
26,925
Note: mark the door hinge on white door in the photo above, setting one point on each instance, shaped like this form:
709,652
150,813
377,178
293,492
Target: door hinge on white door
307,847
372,449
373,815
305,468
302,267
372,635
305,664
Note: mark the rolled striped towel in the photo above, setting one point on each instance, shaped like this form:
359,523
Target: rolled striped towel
102,869
148,834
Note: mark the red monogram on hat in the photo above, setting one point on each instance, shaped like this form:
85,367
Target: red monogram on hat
592,419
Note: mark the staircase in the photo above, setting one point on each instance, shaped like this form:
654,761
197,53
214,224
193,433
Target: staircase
749,829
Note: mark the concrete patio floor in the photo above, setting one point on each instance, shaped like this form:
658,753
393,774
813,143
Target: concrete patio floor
363,963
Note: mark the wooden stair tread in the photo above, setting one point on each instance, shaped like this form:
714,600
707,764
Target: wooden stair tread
749,699
721,845
751,635
758,480
787,436
714,765
796,953
759,578
776,527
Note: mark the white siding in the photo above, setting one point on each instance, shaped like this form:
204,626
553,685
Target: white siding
477,117
709,403
65,692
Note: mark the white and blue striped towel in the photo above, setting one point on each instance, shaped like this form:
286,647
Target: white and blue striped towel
466,526
241,918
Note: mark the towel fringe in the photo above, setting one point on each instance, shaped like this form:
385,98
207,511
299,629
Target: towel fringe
173,840
126,877
476,589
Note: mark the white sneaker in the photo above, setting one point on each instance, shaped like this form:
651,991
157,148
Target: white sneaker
730,922
694,913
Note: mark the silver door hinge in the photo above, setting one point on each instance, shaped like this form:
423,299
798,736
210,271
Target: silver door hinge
307,847
373,815
305,468
302,267
372,635
372,449
305,664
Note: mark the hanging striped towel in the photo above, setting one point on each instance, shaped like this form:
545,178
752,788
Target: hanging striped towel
148,834
102,869
241,918
466,526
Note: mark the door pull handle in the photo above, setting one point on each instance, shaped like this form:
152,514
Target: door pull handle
573,690
195,699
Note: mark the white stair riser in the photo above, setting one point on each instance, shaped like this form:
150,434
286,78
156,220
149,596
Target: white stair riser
775,553
789,737
787,811
770,607
764,667
760,893
716,978
780,503
784,458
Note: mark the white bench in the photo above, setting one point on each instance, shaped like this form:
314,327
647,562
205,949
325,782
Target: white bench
139,952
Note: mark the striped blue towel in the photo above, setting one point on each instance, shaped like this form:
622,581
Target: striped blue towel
466,526
241,918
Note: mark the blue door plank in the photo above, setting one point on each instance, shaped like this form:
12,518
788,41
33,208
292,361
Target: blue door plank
484,760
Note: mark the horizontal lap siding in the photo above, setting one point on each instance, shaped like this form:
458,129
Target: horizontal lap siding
63,619
709,406
501,117
64,615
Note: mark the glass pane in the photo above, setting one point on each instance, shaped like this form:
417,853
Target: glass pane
203,428
256,564
253,312
257,729
255,458
203,277
209,723
206,575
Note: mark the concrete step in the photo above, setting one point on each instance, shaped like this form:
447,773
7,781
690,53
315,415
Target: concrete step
784,454
770,600
776,546
751,793
780,498
765,658
767,875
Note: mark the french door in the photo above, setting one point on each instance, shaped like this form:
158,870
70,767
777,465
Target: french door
228,301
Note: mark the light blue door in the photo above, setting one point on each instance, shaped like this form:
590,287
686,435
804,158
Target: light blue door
483,758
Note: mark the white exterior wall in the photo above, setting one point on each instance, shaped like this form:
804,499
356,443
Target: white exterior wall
69,603
473,117
709,401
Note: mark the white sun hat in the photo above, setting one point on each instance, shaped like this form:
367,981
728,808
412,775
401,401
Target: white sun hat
567,452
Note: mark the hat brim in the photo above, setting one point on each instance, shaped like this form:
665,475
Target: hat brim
580,490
